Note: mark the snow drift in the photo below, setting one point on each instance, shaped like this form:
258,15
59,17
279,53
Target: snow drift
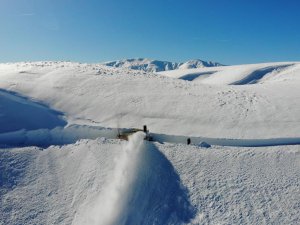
225,185
239,74
18,113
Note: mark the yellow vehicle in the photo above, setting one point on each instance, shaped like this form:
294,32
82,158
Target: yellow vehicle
124,134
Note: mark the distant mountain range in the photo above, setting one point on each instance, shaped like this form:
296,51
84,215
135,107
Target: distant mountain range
149,65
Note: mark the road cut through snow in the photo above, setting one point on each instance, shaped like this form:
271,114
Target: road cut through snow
73,133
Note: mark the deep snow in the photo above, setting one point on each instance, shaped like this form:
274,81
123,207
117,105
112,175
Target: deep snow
20,113
108,97
72,179
222,185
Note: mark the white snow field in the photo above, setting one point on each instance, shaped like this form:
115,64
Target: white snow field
60,161
104,182
110,97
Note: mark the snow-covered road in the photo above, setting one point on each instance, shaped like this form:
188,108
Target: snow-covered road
73,133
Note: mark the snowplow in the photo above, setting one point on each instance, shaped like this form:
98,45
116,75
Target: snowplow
125,133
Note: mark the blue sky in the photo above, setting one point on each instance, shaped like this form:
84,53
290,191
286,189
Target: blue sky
227,31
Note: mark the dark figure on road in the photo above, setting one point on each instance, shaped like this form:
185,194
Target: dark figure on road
188,141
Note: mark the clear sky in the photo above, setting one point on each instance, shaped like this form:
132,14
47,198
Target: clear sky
227,31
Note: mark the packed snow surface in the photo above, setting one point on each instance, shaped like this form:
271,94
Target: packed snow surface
61,164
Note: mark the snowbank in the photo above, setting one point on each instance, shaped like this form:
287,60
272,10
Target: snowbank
213,186
21,113
143,189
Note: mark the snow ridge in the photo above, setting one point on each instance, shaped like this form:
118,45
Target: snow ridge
109,206
34,115
135,194
197,63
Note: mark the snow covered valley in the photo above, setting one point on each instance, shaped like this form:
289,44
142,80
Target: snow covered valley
60,161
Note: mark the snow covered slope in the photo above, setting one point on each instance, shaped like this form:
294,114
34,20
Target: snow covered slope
149,65
197,63
92,182
239,75
19,113
77,176
111,97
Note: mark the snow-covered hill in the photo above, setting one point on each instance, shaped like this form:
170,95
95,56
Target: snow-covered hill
197,63
240,74
113,97
149,65
58,165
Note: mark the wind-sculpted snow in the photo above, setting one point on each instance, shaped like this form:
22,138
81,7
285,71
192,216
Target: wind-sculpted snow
239,74
144,189
226,185
257,75
18,112
12,169
194,76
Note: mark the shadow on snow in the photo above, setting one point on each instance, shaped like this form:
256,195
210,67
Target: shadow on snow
18,112
157,194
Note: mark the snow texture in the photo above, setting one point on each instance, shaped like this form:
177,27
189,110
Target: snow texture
143,189
20,113
92,94
219,185
61,164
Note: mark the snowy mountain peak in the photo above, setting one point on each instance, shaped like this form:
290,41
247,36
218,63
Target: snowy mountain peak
149,65
197,63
